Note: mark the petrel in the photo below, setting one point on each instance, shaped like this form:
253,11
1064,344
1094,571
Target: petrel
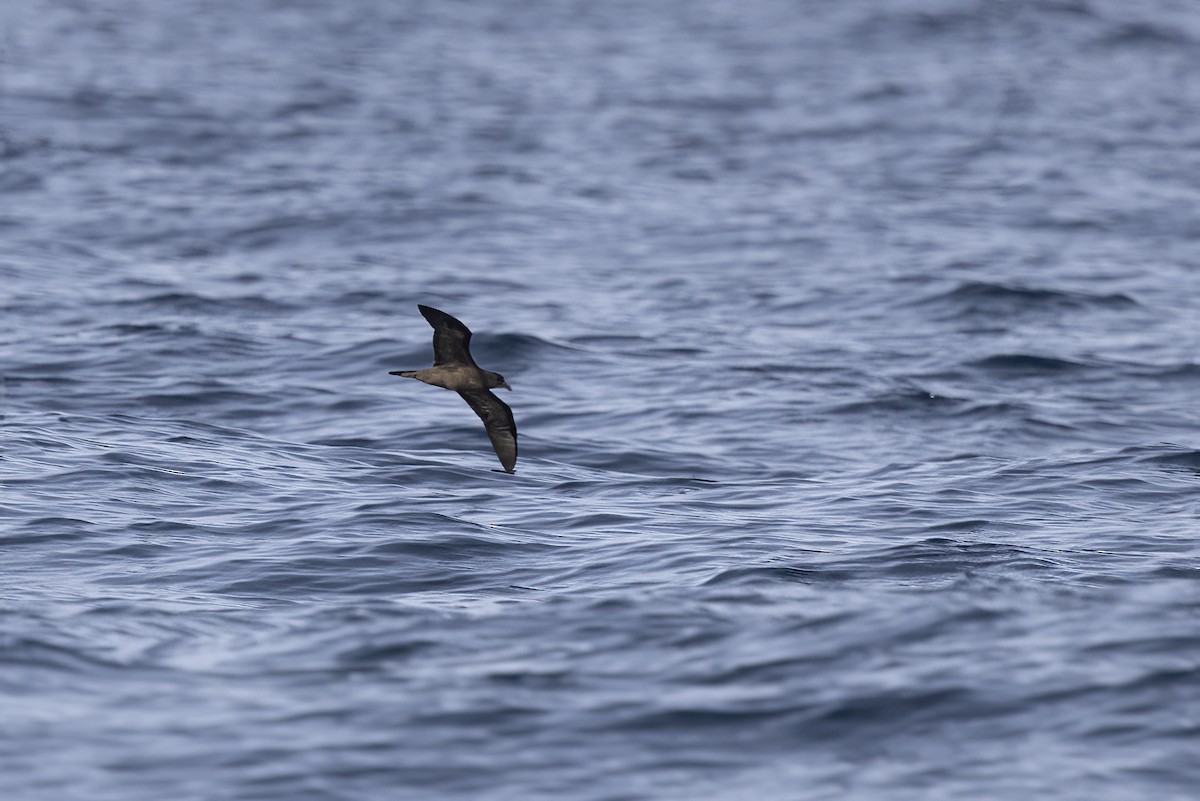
453,368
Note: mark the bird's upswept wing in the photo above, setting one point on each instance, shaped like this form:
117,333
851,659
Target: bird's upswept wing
451,339
498,421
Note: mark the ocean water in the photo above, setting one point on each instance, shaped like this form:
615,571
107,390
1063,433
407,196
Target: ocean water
855,356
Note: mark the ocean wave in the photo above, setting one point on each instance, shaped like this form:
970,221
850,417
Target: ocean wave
974,298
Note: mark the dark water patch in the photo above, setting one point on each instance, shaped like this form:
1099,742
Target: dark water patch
140,550
316,578
915,401
170,527
525,347
317,100
45,529
186,343
702,103
12,147
983,299
647,462
905,400
358,357
696,721
281,231
1027,364
938,556
1139,34
137,329
14,181
660,353
601,521
892,714
396,511
354,406
620,342
212,398
348,442
377,656
971,526
81,478
754,576
142,460
195,303
1180,372
1187,572
777,369
455,548
56,372
1164,645
358,299
930,22
1185,459
45,655
497,715
638,486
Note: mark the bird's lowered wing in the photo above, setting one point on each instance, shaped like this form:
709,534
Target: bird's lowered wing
498,421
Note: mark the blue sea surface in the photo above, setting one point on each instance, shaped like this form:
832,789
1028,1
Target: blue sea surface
855,350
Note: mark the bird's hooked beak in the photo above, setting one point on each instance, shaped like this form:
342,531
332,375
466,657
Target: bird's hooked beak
506,386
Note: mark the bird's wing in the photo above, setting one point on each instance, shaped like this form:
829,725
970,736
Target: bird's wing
498,421
451,339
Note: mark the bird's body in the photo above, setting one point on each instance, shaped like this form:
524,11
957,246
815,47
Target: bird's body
458,377
453,368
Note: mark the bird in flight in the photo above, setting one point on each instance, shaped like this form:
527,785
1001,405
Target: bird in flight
453,368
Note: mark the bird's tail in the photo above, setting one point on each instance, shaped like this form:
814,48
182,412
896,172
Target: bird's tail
405,373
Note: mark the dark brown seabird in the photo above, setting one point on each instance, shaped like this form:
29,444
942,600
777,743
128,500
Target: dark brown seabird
453,368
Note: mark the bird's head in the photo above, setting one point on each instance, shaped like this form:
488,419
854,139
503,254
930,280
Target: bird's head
496,380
